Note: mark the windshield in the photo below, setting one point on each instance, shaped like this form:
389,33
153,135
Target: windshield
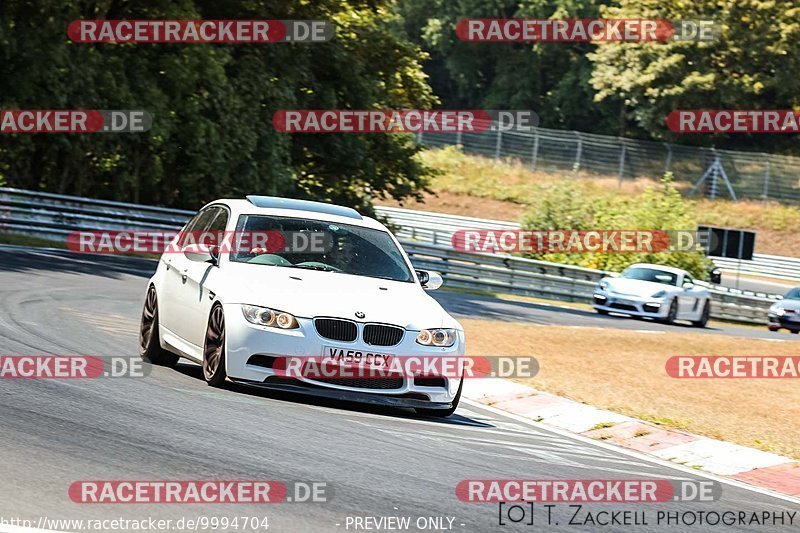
651,274
793,294
345,248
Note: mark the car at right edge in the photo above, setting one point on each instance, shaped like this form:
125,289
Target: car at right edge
785,313
654,291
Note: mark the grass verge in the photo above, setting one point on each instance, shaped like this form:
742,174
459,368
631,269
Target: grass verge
476,186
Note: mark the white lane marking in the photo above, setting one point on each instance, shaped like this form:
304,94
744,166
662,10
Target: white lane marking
635,454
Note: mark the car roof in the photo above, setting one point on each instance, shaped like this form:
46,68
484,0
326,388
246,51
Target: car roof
663,268
295,208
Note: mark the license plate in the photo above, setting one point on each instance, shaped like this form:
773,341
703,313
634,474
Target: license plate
624,302
357,357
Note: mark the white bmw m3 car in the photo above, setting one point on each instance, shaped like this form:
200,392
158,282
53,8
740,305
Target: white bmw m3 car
655,291
237,310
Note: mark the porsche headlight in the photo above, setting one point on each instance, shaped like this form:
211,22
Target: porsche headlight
604,285
779,311
437,337
264,316
659,294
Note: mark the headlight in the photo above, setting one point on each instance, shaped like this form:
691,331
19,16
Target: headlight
604,285
437,337
659,294
264,316
779,311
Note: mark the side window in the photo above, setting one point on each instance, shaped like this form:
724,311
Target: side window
198,224
688,279
204,219
221,220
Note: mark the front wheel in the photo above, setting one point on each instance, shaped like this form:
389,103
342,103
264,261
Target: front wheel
601,311
214,350
672,314
443,413
150,348
704,316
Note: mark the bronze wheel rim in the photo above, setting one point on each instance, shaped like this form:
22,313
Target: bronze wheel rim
148,318
215,343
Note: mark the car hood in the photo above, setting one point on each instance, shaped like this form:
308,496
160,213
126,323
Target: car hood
637,287
794,305
309,293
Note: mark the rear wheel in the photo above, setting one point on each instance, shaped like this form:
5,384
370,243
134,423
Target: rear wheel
704,316
214,350
149,342
443,413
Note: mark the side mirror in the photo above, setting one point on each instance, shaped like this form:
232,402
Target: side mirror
201,254
688,285
716,276
429,280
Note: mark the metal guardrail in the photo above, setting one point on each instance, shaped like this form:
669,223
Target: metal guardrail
437,228
425,236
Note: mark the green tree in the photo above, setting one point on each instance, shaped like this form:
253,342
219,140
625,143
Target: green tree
752,65
212,105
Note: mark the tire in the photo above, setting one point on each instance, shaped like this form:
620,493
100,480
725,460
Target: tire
704,316
150,348
672,314
795,332
214,349
442,413
601,311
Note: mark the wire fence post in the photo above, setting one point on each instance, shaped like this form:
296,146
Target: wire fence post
621,171
458,137
535,154
668,164
766,177
578,153
498,145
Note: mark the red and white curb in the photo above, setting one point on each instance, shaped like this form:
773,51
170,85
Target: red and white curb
756,467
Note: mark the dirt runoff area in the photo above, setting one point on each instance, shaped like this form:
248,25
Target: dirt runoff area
625,371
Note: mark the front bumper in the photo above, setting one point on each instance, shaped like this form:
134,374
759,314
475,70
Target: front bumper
299,387
790,322
630,305
245,340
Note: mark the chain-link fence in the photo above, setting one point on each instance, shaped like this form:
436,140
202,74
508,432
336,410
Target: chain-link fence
736,175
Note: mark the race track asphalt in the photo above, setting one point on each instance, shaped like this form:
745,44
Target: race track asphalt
170,425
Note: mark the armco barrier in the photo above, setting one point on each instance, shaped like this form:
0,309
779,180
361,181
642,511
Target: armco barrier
436,228
425,236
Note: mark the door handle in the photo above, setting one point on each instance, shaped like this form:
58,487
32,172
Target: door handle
184,276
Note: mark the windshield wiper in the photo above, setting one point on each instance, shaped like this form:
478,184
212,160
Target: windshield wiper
314,267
